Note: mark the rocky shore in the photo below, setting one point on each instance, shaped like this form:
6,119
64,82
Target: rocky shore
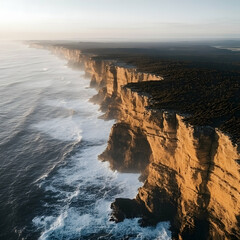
190,173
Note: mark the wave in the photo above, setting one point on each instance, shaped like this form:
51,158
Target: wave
64,129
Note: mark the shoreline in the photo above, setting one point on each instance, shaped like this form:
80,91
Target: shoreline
159,139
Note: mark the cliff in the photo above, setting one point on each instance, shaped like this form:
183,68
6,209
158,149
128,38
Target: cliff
191,174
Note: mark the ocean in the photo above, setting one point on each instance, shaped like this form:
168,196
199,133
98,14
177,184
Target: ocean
52,185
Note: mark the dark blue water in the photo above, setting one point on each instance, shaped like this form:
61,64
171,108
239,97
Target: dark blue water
52,185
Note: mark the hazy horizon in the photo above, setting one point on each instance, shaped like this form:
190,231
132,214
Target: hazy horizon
119,20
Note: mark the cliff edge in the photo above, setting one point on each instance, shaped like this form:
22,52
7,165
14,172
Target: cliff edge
191,173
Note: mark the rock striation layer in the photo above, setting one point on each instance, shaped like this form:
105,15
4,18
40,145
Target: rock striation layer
191,173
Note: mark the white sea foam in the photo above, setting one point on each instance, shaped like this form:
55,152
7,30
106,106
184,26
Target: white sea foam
65,129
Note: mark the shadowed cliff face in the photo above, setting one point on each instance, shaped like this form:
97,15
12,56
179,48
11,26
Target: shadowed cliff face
191,173
128,149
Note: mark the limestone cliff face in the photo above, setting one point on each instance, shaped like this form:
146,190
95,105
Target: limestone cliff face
191,174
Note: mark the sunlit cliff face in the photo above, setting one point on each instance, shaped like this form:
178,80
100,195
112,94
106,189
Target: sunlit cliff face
191,174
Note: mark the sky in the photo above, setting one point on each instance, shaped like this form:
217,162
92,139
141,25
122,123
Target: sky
119,19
